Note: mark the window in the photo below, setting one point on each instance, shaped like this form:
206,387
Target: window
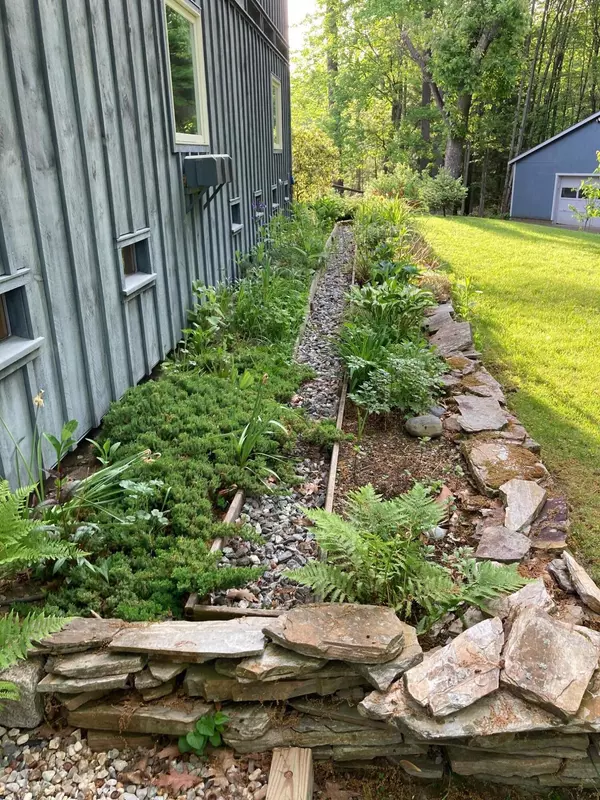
236,216
286,192
4,321
136,262
277,111
188,83
17,343
567,192
274,201
259,206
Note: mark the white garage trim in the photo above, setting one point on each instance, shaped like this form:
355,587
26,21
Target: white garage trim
557,182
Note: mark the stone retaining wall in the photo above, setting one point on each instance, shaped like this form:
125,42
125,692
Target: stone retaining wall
513,697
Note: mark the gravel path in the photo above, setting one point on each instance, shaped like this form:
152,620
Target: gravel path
287,542
65,767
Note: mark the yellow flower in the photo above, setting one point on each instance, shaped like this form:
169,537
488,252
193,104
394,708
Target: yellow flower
38,400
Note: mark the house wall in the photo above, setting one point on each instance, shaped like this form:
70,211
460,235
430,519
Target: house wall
534,177
87,156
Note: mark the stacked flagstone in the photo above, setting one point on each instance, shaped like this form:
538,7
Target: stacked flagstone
513,699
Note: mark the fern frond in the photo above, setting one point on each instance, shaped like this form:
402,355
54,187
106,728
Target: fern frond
418,510
17,636
486,580
326,580
8,691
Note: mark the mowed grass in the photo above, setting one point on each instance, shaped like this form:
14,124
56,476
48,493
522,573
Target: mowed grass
538,324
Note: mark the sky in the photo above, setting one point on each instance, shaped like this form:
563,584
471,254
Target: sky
298,10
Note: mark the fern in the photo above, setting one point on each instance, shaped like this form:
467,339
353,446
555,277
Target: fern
377,556
18,635
24,541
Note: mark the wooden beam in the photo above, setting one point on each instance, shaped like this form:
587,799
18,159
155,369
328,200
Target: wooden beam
291,776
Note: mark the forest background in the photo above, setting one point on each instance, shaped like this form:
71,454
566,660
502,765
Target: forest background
383,87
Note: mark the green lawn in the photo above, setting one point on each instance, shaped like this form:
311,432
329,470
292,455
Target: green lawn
538,324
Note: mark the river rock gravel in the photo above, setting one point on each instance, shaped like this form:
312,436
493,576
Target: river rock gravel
284,540
65,767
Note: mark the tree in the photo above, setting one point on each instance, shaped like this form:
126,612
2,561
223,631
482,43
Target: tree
315,162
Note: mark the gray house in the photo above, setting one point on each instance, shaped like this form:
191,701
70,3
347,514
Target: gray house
547,179
142,143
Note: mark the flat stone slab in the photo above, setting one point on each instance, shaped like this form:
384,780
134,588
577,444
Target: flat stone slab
501,544
500,712
165,671
204,681
277,663
381,676
549,743
83,634
460,674
195,642
146,680
465,762
560,572
548,662
452,338
524,501
94,664
534,595
493,463
28,711
56,684
551,529
331,708
74,701
346,632
170,719
438,319
583,584
305,731
479,414
483,384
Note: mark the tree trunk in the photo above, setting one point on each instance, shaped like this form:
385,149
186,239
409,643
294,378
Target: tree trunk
484,171
457,136
425,122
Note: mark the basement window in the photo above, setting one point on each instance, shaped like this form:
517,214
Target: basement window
258,206
185,47
286,192
136,262
277,114
17,343
274,203
236,216
4,321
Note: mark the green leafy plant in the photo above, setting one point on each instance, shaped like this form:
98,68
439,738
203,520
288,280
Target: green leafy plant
256,430
208,730
106,452
23,540
464,297
377,556
443,193
392,305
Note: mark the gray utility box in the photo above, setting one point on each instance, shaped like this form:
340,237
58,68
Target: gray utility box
200,172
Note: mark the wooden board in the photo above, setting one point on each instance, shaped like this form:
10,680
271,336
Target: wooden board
291,776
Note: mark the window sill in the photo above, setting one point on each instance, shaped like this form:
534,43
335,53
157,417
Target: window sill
275,206
134,284
259,215
236,228
15,352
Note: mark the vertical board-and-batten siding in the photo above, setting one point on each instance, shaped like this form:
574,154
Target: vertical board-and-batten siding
87,157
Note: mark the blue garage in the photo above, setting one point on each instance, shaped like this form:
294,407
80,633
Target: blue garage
547,179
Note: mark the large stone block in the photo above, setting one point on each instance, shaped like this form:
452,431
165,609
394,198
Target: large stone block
548,662
466,762
500,712
83,634
28,710
94,664
453,337
345,632
480,414
501,544
524,501
55,684
195,642
584,585
174,718
204,681
461,673
276,663
493,463
381,676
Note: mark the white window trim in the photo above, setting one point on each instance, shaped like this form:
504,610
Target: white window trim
277,142
193,16
16,351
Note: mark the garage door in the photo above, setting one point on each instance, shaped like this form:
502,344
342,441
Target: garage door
571,199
